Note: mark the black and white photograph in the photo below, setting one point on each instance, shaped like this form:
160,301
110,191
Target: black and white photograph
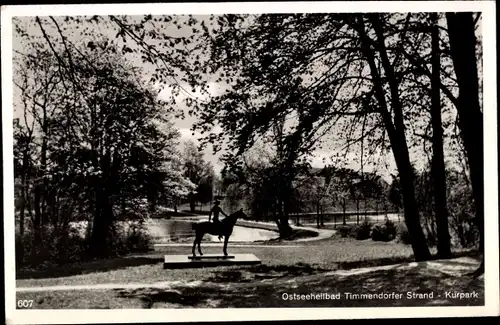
249,161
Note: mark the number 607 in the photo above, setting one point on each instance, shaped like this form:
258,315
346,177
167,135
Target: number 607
25,303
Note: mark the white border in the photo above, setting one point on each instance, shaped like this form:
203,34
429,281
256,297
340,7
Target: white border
200,8
186,315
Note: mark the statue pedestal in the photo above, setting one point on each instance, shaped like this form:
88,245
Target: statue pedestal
209,256
208,260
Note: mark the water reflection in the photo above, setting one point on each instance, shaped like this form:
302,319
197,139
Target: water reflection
163,230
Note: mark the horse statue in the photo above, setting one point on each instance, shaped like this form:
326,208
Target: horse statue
223,227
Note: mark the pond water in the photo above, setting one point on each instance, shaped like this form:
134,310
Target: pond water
351,218
168,230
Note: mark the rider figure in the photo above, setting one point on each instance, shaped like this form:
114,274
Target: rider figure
215,210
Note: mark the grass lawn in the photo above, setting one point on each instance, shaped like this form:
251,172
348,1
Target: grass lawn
325,255
265,286
78,300
304,269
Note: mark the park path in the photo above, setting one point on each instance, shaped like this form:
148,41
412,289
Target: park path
453,267
109,286
322,233
221,244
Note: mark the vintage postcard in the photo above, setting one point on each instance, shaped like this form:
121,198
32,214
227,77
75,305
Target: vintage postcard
249,161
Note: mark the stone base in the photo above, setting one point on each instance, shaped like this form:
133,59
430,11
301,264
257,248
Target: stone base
208,260
209,256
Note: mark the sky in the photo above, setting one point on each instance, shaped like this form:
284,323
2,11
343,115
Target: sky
319,158
385,168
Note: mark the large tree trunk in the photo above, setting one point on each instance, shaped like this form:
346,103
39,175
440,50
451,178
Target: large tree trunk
102,223
343,212
411,213
192,202
282,221
462,46
103,218
22,209
396,133
37,229
24,193
43,169
357,210
438,168
282,218
283,195
317,214
285,219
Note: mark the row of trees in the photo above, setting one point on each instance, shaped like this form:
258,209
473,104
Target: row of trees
92,142
199,172
390,83
320,191
314,189
383,80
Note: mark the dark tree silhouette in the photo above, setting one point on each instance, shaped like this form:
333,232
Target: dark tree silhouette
463,52
438,168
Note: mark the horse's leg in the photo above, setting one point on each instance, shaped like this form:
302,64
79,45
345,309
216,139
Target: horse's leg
199,247
226,238
194,244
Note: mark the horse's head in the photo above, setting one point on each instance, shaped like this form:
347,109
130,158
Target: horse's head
243,215
240,214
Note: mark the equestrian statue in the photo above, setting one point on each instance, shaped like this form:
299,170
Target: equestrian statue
221,228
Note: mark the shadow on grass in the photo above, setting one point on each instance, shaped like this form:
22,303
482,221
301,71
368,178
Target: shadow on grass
295,234
398,259
271,272
150,296
104,265
400,280
259,272
264,272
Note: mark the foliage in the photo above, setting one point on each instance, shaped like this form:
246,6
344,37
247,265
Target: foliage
345,231
92,140
70,245
294,78
252,183
394,193
199,172
403,235
461,209
130,237
460,206
384,232
291,81
363,231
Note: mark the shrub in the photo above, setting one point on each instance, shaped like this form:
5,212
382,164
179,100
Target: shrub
403,235
363,231
463,231
471,235
70,245
56,246
345,231
384,232
391,227
130,237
